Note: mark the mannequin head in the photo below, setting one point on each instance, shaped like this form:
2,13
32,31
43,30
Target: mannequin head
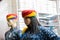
12,20
31,20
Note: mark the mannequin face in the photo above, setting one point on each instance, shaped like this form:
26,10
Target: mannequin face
12,22
27,21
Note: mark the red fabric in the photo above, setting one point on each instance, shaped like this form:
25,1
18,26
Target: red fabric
27,12
11,15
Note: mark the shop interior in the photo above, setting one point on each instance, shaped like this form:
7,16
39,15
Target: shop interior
48,13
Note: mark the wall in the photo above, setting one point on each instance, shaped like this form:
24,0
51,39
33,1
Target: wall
3,13
6,7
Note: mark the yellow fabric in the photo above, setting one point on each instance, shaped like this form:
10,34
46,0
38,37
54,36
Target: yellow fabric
24,29
10,17
32,14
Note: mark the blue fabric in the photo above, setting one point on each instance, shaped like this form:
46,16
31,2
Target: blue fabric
12,34
44,34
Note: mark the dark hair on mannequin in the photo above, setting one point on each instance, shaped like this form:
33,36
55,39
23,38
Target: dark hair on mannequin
33,26
0,0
